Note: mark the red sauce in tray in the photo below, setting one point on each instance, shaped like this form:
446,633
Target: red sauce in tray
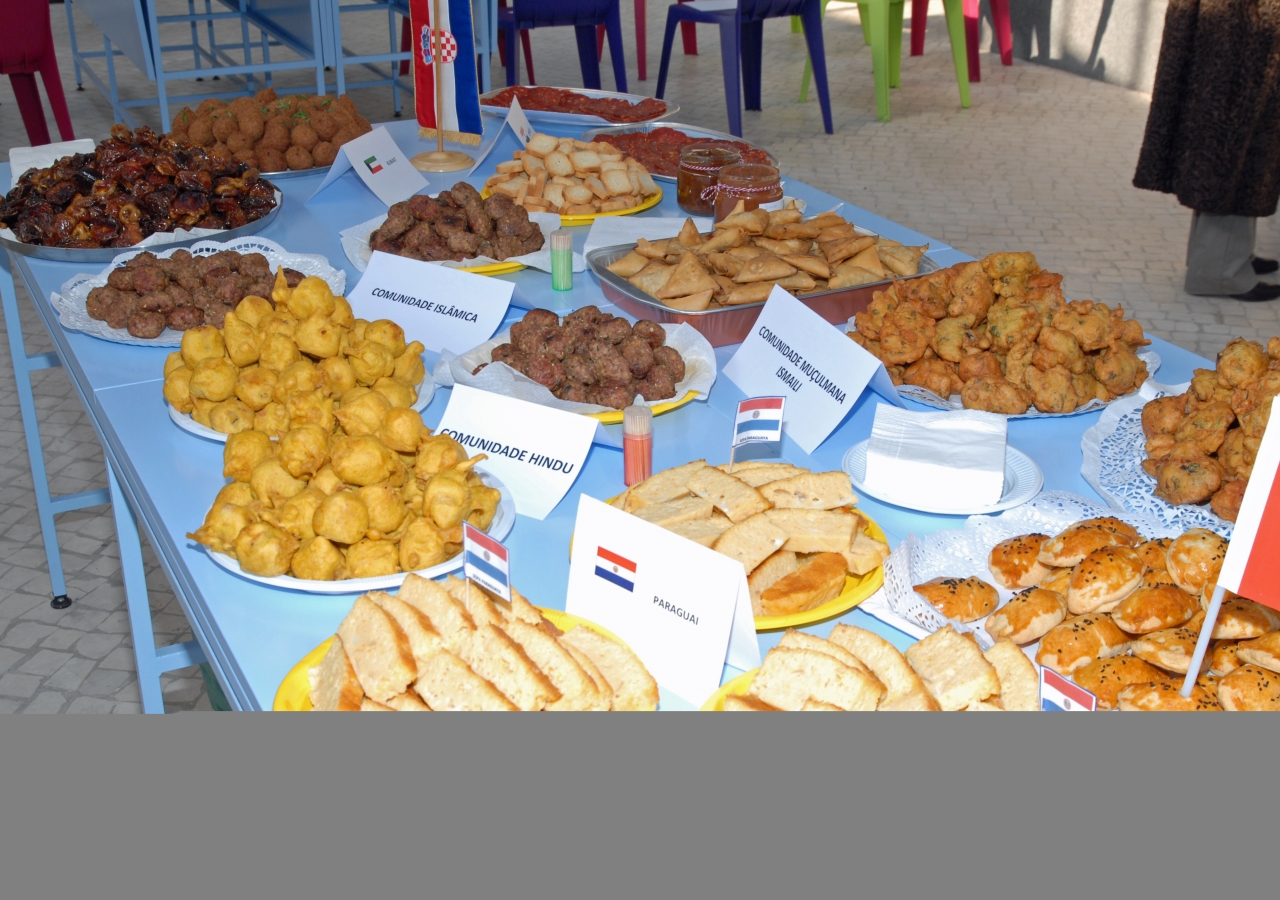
549,99
659,150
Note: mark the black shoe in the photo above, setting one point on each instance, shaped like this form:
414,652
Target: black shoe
1260,291
1264,266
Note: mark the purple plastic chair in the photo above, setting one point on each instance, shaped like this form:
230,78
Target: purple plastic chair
741,41
584,16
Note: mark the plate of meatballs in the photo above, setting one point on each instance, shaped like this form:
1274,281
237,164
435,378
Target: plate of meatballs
150,298
455,228
589,362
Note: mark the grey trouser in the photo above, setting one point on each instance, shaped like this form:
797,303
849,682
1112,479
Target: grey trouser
1219,252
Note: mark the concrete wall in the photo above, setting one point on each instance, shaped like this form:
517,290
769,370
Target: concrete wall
1117,41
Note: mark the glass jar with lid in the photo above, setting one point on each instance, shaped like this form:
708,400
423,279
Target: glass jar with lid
755,184
696,178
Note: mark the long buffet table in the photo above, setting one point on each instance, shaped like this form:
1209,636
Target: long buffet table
252,635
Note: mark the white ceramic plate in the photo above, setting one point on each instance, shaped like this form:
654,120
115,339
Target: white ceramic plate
503,522
1022,481
426,391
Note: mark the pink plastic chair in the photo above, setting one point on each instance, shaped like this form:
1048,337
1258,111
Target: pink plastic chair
26,47
972,30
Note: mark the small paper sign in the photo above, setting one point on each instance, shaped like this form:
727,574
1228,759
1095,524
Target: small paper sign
485,561
759,420
381,165
1057,694
820,371
520,127
536,451
682,607
445,309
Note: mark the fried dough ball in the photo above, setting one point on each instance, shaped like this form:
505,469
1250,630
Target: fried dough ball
1009,322
242,342
1241,362
237,492
304,450
1089,388
398,393
222,525
1053,390
446,497
1163,415
202,342
363,413
301,375
177,389
1119,369
972,295
1058,348
905,335
872,319
402,430
437,453
173,361
484,506
214,379
1017,361
200,414
231,416
327,480
1237,454
422,546
265,550
366,460
408,366
934,374
256,387
370,360
311,295
278,353
1206,427
342,518
338,375
980,365
949,339
925,294
280,321
386,333
272,419
369,559
1086,321
298,513
342,315
995,395
252,310
1188,480
310,408
318,336
1226,502
272,484
386,508
298,159
317,560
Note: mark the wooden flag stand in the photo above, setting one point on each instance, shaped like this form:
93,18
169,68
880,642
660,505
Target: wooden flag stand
440,159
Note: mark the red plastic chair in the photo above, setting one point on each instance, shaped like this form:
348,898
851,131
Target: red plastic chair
972,30
26,47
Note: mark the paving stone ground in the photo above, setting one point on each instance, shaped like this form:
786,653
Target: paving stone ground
1042,161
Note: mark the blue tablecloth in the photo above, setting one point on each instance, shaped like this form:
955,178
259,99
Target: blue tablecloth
253,635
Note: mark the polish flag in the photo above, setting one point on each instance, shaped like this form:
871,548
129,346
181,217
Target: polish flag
1252,566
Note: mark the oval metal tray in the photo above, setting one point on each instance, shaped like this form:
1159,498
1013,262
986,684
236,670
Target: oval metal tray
107,254
563,118
690,130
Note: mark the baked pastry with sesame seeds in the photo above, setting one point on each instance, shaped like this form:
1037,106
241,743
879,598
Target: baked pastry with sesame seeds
1241,620
1028,617
1104,578
1079,641
1106,678
1151,609
1015,562
1250,689
962,599
1195,557
1172,648
1073,545
1167,697
1263,651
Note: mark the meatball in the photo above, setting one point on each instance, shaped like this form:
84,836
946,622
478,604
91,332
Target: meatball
613,394
576,368
118,313
559,345
450,220
148,279
185,317
465,243
146,324
614,331
424,208
231,290
611,367
531,340
546,371
652,332
502,352
399,220
464,194
670,360
658,385
121,279
293,277
216,314
145,258
638,354
587,315
160,302
540,317
574,391
99,301
478,220
497,206
508,246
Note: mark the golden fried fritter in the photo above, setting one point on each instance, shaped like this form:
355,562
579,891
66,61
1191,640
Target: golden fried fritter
1058,348
905,335
1089,388
1119,369
929,295
1241,362
949,339
882,303
972,294
1163,415
980,365
1188,480
1009,321
1206,427
263,549
1052,389
934,374
1018,361
1088,322
995,395
1226,502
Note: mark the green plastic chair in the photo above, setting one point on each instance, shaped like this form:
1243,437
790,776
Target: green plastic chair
882,29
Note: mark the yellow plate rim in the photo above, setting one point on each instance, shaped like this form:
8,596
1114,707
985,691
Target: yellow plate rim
567,221
739,685
614,417
295,682
498,268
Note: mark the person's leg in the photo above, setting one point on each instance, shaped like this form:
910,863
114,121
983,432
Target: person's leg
1219,255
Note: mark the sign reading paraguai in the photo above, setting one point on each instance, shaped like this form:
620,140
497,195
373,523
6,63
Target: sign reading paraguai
794,351
536,451
446,309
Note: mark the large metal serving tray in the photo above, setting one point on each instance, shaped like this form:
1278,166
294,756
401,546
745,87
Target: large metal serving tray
559,118
732,324
691,130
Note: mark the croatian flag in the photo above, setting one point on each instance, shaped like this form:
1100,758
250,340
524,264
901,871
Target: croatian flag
1057,694
460,104
759,419
485,561
1252,565
616,569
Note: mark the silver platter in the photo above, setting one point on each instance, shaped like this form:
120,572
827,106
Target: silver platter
561,118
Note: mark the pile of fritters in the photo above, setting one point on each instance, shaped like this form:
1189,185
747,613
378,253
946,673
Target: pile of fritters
750,252
148,293
457,225
1201,444
593,357
1001,335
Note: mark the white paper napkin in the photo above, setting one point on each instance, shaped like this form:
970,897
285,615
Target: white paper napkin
937,459
23,158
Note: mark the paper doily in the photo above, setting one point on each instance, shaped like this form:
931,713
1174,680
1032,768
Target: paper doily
70,300
1114,449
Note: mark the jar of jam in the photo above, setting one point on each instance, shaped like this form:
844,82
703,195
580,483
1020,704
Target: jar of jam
696,178
755,184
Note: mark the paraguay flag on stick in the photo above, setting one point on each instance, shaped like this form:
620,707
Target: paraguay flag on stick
460,103
616,569
1057,694
758,419
485,561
